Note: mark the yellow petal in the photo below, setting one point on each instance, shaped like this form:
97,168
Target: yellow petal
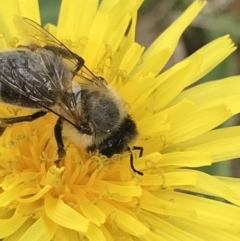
203,231
20,232
121,189
212,54
154,63
117,10
9,10
157,205
16,192
147,161
184,127
89,209
166,39
42,229
222,143
123,220
117,34
210,185
167,179
174,83
95,234
3,45
62,214
99,28
106,233
131,57
135,88
10,225
186,158
225,91
77,25
160,121
232,183
223,216
24,7
66,234
52,176
150,236
165,230
35,197
12,181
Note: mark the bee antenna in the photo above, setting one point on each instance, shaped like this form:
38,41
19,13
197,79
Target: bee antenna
131,159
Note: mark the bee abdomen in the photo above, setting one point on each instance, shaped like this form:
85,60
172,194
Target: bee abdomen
10,96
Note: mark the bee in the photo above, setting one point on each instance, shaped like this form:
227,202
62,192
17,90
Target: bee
47,77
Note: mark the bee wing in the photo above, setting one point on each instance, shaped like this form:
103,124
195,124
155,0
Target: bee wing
42,78
36,34
40,83
33,33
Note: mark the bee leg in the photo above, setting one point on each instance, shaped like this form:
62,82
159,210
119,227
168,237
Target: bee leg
66,54
132,166
17,119
131,159
139,148
58,136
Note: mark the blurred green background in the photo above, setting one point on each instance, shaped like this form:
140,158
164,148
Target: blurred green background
218,18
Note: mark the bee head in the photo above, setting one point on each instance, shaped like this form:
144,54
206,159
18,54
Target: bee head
118,141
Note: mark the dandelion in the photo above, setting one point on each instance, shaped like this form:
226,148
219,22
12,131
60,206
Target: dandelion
90,197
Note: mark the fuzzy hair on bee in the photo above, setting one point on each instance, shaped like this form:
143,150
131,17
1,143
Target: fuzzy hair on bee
106,122
46,76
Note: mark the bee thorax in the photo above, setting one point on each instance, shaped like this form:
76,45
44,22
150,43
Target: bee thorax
102,111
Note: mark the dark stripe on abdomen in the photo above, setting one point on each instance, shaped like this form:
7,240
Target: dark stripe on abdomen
9,96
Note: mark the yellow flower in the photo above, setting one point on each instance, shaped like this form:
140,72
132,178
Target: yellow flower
96,199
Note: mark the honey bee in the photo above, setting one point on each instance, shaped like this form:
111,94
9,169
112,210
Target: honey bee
47,77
